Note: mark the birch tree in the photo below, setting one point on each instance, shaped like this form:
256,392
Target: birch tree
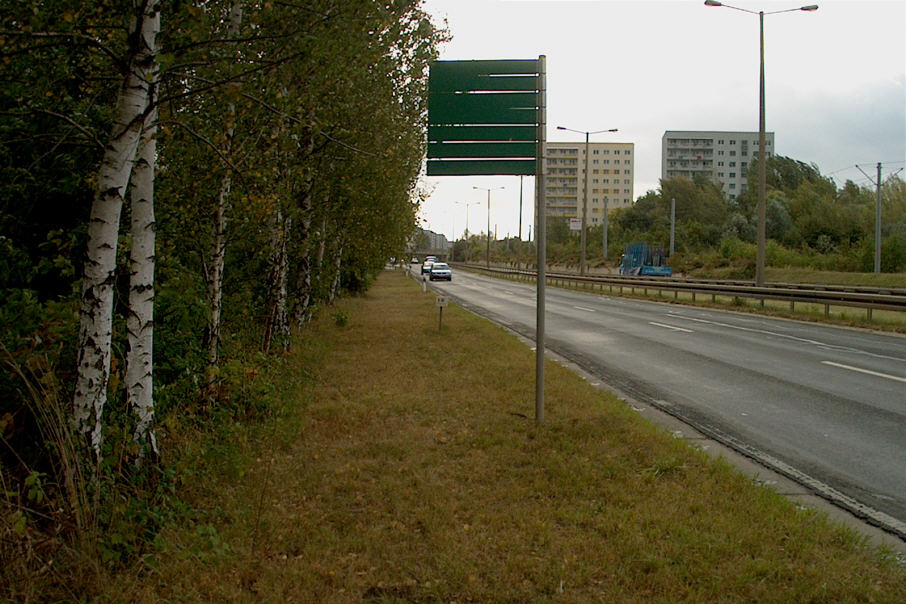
215,270
140,320
96,310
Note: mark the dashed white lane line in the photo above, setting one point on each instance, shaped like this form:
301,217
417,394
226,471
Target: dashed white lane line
673,327
585,309
867,371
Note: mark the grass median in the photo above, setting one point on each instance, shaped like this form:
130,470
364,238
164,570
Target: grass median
407,467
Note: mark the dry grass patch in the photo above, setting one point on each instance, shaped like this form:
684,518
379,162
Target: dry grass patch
418,475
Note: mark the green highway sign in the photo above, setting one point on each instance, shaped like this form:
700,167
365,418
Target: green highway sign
483,117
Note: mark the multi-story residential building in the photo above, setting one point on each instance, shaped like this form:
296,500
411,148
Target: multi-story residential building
722,156
610,178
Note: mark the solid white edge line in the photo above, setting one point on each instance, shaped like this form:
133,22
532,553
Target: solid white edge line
868,371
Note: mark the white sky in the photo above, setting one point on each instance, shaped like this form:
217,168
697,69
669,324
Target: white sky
835,84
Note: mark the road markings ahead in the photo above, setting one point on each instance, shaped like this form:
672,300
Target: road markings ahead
673,327
868,371
585,309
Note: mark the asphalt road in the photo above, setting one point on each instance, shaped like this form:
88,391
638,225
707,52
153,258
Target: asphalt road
823,405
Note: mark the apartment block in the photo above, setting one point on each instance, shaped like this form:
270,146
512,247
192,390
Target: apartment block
610,178
722,156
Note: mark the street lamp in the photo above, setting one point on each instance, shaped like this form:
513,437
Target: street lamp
488,257
762,158
585,194
467,204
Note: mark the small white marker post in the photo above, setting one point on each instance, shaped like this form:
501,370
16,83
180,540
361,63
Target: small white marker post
441,302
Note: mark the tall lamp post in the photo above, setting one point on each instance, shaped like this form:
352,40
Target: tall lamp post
467,204
585,194
762,158
488,256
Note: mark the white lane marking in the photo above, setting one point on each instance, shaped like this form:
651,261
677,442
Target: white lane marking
585,309
868,371
817,343
673,327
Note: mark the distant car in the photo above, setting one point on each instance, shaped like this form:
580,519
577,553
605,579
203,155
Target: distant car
441,270
414,260
426,267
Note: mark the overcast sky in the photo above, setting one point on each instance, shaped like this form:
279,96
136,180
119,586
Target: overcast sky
835,84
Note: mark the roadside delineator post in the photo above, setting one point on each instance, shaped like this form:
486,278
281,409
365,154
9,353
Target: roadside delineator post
441,303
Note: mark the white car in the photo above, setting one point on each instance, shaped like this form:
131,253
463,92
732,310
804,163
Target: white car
441,270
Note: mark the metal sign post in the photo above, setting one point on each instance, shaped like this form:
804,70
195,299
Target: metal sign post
441,303
489,118
540,239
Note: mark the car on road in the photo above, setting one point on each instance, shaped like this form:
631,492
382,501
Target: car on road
441,270
426,267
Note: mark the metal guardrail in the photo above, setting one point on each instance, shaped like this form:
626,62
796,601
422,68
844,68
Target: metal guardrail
869,298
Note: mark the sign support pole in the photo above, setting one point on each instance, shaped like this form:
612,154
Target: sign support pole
540,239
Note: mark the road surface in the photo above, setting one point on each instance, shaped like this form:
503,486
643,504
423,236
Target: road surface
824,405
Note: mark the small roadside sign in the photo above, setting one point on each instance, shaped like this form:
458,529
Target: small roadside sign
441,303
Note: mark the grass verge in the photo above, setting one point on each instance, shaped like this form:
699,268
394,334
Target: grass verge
407,468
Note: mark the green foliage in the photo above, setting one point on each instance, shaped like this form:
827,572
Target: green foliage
809,223
327,131
341,318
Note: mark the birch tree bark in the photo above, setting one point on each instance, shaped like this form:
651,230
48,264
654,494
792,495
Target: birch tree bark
96,311
337,265
140,320
278,319
214,273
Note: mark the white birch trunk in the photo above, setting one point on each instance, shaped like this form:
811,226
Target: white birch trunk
218,255
302,310
140,321
215,281
337,264
303,271
96,311
278,320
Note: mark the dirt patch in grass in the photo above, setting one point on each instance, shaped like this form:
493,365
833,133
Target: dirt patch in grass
416,474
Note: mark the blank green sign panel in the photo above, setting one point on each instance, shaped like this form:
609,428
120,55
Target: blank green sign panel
482,117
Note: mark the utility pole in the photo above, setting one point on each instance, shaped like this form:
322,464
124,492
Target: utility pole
878,226
877,184
520,207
